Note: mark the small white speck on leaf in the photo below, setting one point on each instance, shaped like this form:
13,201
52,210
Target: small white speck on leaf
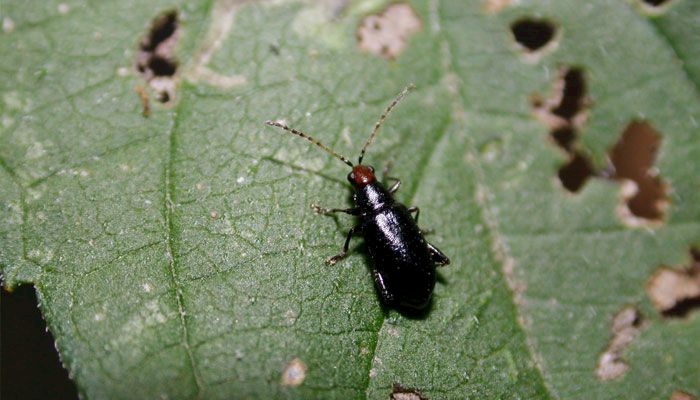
214,214
63,8
291,316
240,179
147,287
372,373
99,317
8,25
199,186
123,71
294,373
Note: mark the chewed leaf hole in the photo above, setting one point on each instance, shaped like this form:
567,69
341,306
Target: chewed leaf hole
532,34
573,94
386,34
564,137
575,173
632,159
566,107
563,112
676,292
155,59
399,392
655,3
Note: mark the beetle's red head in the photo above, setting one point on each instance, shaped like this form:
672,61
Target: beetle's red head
361,175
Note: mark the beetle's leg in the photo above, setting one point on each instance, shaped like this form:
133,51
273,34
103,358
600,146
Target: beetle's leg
438,257
384,293
322,210
416,210
395,186
385,177
337,257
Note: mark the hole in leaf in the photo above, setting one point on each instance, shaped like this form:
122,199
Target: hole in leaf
161,66
563,112
155,59
399,392
386,34
576,172
676,292
625,326
31,368
573,94
564,137
532,34
162,28
632,158
566,105
655,3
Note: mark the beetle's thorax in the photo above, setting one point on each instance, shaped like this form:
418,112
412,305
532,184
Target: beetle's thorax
372,197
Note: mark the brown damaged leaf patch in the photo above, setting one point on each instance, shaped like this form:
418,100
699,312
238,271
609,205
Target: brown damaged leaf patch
386,34
399,392
679,395
494,6
294,373
676,292
625,326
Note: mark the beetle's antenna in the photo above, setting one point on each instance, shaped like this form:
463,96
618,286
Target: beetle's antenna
382,117
310,139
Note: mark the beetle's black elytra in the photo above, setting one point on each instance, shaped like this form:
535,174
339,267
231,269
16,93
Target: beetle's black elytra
403,262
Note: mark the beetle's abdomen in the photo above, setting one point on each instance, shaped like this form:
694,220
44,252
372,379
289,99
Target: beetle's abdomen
404,269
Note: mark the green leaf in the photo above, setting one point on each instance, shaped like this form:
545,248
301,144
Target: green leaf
176,256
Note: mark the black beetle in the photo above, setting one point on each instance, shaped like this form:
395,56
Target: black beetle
404,262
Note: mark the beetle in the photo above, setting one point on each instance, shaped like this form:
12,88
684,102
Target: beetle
404,263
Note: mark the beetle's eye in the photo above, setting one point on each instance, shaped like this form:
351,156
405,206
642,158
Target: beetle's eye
351,177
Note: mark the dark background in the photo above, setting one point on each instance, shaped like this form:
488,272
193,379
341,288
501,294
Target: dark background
29,364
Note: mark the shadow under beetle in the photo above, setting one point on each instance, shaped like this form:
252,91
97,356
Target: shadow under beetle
403,261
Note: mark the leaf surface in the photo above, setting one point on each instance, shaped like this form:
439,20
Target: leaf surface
176,255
